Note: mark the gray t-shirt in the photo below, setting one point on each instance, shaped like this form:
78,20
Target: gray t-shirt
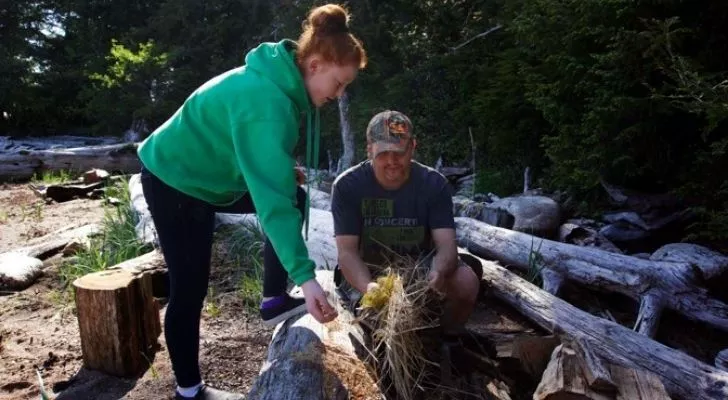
397,221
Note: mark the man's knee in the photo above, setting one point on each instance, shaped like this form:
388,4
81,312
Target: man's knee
464,286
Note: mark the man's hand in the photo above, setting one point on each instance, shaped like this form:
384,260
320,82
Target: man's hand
300,176
316,302
437,282
372,286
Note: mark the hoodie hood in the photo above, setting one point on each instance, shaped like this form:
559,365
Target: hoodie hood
277,62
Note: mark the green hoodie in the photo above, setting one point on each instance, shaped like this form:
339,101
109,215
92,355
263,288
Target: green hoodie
236,133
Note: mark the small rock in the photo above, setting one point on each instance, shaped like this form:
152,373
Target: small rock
94,175
535,215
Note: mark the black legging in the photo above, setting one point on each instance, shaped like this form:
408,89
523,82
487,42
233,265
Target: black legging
185,230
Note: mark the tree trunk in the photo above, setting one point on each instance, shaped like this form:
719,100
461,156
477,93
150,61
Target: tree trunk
655,284
118,321
310,360
23,164
347,136
683,376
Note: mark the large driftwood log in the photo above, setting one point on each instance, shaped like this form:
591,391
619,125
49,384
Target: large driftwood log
14,144
655,284
320,243
683,376
310,360
52,243
22,165
118,321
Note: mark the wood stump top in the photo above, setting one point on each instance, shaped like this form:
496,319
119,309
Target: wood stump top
105,280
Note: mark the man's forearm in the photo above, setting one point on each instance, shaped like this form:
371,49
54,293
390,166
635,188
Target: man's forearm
355,271
445,261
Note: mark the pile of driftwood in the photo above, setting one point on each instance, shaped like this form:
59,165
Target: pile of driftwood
562,351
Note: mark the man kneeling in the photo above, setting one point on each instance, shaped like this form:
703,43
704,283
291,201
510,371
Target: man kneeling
391,203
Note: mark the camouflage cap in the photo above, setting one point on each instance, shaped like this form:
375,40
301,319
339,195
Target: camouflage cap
390,131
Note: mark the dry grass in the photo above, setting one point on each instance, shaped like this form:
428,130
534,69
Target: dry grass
398,312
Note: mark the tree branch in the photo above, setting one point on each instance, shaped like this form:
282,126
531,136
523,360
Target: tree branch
480,35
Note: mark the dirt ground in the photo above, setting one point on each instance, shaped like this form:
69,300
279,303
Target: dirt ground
39,331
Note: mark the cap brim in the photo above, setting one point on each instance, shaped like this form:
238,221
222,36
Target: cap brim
381,147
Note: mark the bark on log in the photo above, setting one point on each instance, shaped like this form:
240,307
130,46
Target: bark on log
721,360
683,376
24,164
653,283
118,321
310,360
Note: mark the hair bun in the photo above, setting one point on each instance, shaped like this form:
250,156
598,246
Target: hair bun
329,19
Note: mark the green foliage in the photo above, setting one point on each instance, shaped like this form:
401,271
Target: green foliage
51,177
634,92
535,264
117,243
244,250
130,87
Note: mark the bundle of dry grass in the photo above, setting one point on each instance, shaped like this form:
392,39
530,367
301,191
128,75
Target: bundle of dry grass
398,311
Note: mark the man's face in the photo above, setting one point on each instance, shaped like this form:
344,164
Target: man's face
391,167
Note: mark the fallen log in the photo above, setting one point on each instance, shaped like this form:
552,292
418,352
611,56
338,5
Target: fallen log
683,376
23,164
655,284
48,245
310,360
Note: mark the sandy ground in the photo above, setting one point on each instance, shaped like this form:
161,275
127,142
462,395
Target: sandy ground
39,331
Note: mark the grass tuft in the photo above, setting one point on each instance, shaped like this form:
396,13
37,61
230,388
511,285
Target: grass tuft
117,243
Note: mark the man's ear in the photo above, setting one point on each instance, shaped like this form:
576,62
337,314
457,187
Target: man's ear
369,151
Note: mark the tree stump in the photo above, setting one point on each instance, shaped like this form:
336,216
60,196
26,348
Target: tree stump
118,321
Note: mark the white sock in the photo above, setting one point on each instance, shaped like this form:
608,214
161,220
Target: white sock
189,391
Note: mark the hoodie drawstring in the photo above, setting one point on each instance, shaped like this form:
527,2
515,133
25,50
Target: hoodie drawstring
312,159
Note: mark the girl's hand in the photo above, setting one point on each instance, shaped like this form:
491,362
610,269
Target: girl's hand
300,176
316,302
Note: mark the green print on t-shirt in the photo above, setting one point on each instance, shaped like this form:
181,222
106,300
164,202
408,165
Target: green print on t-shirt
382,228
